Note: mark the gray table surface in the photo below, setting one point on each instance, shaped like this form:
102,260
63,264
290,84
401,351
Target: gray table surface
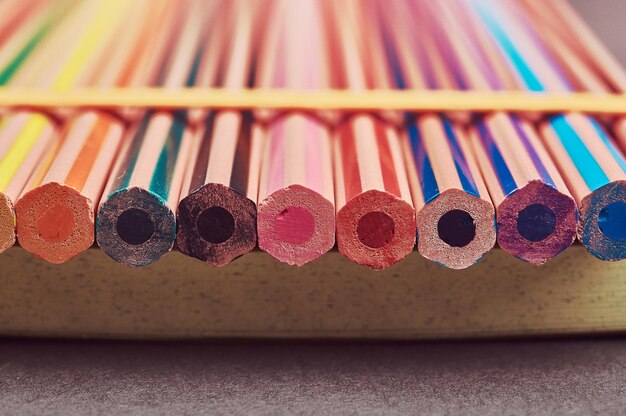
571,376
470,378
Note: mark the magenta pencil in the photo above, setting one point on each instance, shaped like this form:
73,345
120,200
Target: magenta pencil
296,211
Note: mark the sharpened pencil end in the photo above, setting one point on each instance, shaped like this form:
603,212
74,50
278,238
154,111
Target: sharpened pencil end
603,223
537,222
55,222
135,227
216,224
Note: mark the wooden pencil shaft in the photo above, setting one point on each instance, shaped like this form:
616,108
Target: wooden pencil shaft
593,168
217,211
510,157
296,212
375,215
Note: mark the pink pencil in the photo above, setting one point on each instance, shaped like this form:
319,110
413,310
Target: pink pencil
296,212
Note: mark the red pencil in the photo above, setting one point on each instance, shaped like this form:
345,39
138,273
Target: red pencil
375,215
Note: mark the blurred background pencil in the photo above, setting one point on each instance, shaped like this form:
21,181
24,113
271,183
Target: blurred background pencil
589,64
16,15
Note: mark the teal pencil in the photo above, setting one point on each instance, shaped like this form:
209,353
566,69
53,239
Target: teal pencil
136,220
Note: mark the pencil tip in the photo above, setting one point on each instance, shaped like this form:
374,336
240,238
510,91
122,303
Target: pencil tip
603,222
216,224
135,227
55,222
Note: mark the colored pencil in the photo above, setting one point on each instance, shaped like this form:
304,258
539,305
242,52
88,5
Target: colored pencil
217,211
73,181
25,136
44,221
296,211
375,215
13,53
15,15
136,223
589,64
455,216
25,38
379,74
590,162
536,215
292,125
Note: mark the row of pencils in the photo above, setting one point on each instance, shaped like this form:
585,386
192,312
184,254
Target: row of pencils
217,183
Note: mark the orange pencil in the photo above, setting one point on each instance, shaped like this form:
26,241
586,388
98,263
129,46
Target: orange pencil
56,211
33,58
14,53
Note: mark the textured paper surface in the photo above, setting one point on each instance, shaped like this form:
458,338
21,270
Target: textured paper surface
256,296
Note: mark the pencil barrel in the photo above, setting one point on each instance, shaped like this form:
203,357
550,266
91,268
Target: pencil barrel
219,126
